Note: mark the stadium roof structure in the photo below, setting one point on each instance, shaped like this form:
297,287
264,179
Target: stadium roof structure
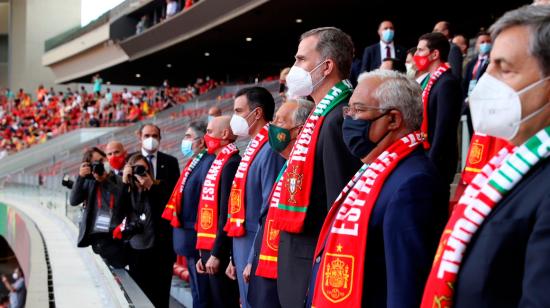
242,39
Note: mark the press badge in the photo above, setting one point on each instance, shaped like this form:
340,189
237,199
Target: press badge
103,221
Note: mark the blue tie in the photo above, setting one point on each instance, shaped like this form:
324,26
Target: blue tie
150,160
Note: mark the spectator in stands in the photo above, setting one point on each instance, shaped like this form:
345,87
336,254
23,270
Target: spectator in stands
412,71
143,24
17,289
165,170
171,8
323,164
282,81
116,155
252,111
182,208
462,43
385,49
212,241
442,99
455,55
501,258
98,82
100,191
108,96
213,112
283,132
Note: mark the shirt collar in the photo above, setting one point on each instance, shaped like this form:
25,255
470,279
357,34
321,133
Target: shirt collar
145,154
384,44
421,77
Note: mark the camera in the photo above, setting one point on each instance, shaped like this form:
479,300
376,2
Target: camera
139,170
67,182
97,168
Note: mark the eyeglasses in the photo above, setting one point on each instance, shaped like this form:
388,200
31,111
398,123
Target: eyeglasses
353,111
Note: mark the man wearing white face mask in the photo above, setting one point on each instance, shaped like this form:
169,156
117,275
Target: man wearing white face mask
252,110
494,251
385,49
166,172
320,164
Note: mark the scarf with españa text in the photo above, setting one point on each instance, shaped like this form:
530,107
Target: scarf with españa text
173,208
496,179
207,215
297,180
237,206
343,239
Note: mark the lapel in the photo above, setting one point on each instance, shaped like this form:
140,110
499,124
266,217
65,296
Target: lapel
377,55
161,165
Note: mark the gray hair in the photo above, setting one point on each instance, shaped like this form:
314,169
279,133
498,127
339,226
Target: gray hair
399,92
198,127
334,44
537,20
302,111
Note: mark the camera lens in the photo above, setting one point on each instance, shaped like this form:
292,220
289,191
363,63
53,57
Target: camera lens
98,168
139,170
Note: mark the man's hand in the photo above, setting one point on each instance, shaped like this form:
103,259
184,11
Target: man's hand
145,181
126,174
231,272
4,278
212,265
84,170
246,272
200,267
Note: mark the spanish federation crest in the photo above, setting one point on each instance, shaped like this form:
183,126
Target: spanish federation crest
476,153
235,200
337,275
293,184
207,218
272,236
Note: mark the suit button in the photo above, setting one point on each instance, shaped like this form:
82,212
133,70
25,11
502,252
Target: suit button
318,259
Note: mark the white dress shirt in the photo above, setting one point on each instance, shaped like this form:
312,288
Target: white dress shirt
153,160
383,50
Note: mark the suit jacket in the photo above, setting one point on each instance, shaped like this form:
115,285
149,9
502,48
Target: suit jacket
506,263
372,57
455,60
334,167
444,109
404,229
468,74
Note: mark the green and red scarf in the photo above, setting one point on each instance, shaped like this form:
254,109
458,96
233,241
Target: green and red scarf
343,239
237,205
297,179
496,179
207,215
425,95
173,208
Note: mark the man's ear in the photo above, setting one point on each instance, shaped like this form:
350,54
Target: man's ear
225,134
436,55
396,119
329,66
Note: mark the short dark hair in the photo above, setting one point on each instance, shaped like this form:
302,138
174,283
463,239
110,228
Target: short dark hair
437,41
335,44
481,33
87,157
259,97
148,124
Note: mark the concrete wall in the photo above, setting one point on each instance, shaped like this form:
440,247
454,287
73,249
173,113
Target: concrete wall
32,23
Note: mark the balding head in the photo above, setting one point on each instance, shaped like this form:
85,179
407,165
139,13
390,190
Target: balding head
114,148
214,111
220,128
443,28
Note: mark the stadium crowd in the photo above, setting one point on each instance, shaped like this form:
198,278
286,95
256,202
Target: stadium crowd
26,120
341,197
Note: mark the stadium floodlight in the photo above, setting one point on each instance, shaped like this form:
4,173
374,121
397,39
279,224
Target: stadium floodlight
168,65
299,20
207,54
249,39
138,75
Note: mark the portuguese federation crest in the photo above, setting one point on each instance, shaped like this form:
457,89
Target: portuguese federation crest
294,184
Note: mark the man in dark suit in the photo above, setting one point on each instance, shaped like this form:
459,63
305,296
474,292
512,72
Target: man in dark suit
503,260
455,54
444,105
385,49
333,163
410,210
166,170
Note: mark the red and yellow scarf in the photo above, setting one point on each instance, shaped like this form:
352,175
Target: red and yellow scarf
297,179
343,239
496,179
425,95
207,220
237,205
173,208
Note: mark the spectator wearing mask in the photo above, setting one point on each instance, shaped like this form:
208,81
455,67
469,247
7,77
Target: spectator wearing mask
212,241
213,112
321,164
171,8
283,132
282,81
494,251
442,100
181,210
252,111
412,71
383,229
164,169
374,55
116,154
17,289
455,55
101,193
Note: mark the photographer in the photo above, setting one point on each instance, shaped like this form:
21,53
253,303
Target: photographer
100,191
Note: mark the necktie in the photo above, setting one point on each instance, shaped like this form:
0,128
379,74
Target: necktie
388,52
151,165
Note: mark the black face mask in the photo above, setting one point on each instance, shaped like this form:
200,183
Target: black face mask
356,136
